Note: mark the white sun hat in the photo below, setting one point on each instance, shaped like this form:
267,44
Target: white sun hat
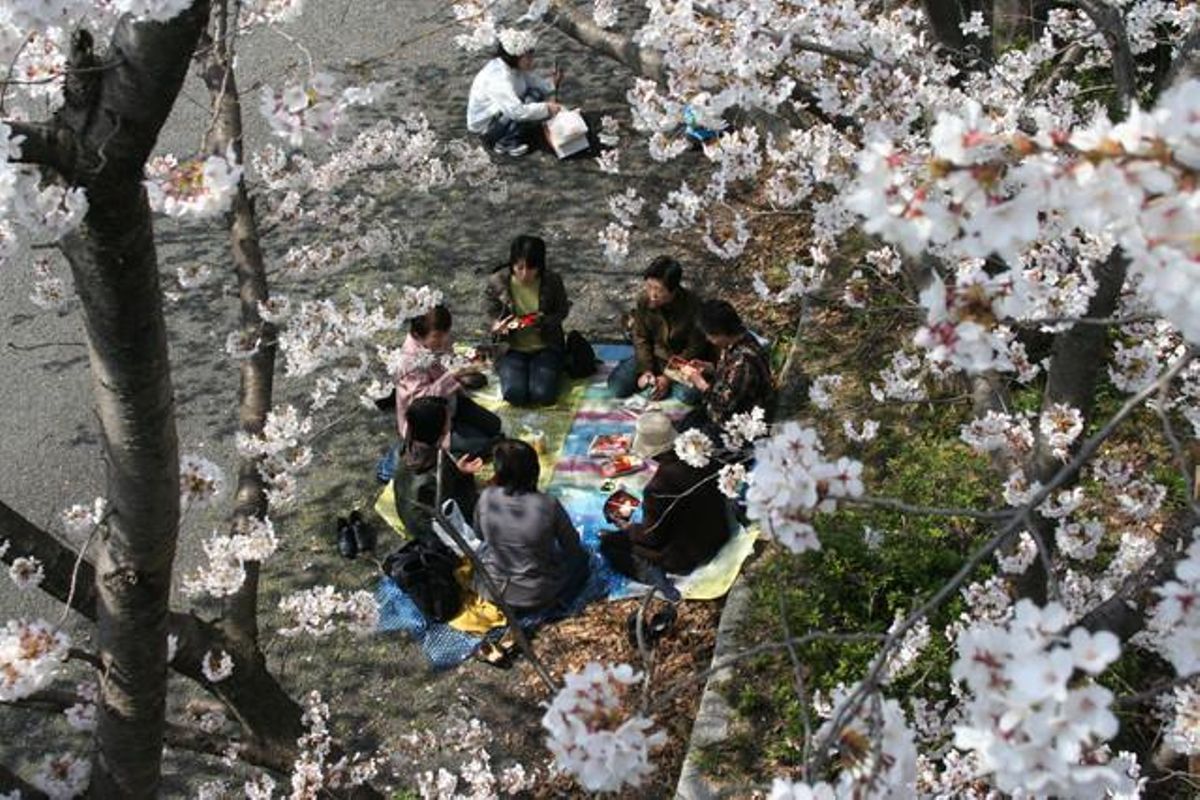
517,42
655,434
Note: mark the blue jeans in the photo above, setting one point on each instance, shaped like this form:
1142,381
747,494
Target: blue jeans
510,132
622,382
530,378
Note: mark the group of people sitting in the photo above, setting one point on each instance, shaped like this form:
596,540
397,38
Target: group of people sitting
529,546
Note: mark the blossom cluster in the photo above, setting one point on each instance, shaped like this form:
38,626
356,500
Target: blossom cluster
31,653
195,188
320,611
311,108
1032,722
593,737
1174,623
792,481
224,571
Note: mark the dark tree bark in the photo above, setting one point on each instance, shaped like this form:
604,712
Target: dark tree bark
111,120
258,371
270,719
1079,355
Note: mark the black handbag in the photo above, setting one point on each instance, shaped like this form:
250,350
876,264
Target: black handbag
424,570
580,358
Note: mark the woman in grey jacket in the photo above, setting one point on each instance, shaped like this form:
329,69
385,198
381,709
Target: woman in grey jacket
530,548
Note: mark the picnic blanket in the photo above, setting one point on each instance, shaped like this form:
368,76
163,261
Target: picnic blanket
584,410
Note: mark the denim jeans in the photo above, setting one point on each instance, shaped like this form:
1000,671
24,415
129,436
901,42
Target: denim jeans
622,382
530,378
510,132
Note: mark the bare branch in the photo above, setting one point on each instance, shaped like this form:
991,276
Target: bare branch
47,144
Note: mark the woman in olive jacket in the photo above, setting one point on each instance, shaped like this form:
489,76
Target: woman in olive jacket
527,304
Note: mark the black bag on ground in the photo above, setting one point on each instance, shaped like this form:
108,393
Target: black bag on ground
424,569
580,358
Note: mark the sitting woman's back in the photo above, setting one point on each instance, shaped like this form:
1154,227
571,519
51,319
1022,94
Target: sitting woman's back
424,468
530,549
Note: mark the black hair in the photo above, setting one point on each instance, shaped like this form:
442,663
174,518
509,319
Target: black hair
426,420
530,249
517,466
507,57
719,318
436,319
666,271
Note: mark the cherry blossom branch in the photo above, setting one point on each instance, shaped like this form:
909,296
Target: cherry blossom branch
868,685
582,29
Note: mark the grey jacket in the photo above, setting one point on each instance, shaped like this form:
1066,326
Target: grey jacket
530,548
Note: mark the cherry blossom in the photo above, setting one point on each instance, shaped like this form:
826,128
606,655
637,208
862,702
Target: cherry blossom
26,573
31,652
63,776
196,188
216,665
694,448
591,736
200,481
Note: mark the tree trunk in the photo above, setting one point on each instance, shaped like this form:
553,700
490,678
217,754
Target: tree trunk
580,27
1076,361
268,715
115,125
258,371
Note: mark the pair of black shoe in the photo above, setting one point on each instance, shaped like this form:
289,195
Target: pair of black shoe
354,535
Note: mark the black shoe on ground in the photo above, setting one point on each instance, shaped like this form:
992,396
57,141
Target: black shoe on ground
347,545
364,534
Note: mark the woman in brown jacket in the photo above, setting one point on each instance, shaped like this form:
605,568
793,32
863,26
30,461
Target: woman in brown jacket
527,304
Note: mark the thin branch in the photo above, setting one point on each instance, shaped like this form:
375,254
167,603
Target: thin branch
900,505
855,699
1155,691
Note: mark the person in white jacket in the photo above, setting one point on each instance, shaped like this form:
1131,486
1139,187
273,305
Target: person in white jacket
508,101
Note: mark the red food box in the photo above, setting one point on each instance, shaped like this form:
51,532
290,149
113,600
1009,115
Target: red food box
674,368
524,321
620,507
620,465
610,444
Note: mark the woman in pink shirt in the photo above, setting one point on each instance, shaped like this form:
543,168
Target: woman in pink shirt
423,373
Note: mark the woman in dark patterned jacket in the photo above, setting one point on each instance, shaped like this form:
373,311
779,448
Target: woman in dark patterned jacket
741,378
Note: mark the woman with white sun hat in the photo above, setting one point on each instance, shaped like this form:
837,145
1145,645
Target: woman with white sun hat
508,101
